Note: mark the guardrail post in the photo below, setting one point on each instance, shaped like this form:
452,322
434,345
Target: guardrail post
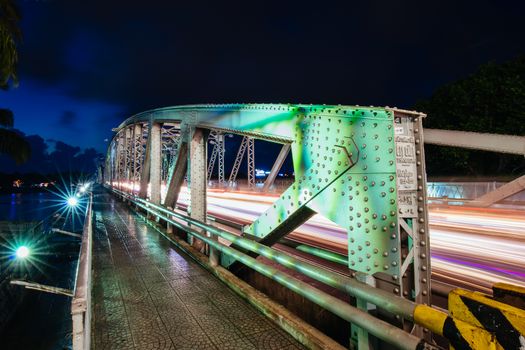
276,167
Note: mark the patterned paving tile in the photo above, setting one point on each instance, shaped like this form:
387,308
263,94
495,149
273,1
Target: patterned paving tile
152,336
271,339
236,344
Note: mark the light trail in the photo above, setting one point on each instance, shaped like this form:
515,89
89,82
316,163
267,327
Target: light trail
471,247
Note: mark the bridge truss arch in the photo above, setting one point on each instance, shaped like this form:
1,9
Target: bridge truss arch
362,168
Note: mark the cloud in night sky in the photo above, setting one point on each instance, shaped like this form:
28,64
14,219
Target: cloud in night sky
59,158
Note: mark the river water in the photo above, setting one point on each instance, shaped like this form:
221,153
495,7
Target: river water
42,321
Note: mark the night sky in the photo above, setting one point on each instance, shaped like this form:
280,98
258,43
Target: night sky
87,65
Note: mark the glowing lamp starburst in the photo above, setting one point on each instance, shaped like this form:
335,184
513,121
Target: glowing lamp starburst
72,201
22,252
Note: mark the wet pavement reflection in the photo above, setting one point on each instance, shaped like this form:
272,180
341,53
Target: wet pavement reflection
149,295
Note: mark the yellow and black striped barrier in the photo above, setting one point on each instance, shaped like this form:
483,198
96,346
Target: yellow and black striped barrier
478,321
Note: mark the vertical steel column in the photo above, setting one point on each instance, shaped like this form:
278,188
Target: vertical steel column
413,281
422,267
155,162
198,160
276,167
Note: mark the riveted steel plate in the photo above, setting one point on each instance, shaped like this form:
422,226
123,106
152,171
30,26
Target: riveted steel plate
364,199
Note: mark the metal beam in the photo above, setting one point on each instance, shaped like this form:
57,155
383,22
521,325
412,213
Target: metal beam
177,176
155,162
475,140
238,160
501,193
251,162
276,167
213,157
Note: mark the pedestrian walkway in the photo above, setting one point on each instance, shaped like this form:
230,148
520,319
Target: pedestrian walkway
149,295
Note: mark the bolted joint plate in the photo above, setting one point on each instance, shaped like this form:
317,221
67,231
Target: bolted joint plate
364,199
345,170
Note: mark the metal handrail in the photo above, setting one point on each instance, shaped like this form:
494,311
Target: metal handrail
81,303
379,328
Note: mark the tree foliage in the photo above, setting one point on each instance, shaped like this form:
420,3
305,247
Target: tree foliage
6,118
14,145
10,34
11,142
492,100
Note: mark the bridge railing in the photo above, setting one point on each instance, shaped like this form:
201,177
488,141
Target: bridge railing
456,326
379,328
81,302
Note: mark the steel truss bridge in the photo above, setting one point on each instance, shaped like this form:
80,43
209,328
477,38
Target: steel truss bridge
362,168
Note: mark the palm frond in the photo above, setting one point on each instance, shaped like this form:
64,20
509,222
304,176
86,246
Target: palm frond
15,146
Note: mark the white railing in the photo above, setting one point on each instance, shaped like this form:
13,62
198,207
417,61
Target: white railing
81,303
